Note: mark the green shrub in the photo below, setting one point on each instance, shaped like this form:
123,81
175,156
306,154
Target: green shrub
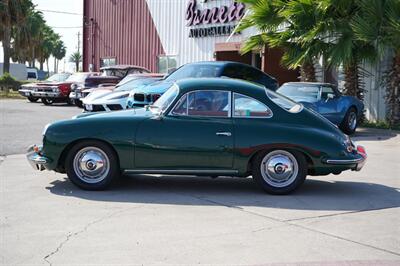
7,82
380,124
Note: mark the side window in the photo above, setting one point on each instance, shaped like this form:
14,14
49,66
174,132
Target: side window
325,91
245,106
203,103
181,106
233,71
208,103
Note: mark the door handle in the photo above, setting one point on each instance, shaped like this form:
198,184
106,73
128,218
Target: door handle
226,134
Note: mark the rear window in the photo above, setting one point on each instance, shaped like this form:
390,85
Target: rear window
284,102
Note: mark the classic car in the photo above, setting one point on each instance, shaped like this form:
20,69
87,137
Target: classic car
209,126
326,99
56,80
114,98
202,70
110,76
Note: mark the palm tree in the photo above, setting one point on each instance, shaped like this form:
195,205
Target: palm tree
13,14
58,53
295,26
345,48
76,58
379,23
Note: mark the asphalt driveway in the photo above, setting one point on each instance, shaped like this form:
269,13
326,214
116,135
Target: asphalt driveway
350,219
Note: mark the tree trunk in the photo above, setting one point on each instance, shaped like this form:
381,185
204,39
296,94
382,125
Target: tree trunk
393,91
47,63
77,66
6,49
307,72
55,65
41,65
352,84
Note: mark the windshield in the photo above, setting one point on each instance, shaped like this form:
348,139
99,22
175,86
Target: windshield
135,83
78,77
284,102
195,71
166,99
58,77
300,91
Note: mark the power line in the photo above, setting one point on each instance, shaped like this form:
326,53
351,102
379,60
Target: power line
60,12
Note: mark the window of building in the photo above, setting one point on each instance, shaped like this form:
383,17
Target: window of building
167,63
204,103
109,61
245,106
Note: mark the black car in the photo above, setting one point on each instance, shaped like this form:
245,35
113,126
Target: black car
203,70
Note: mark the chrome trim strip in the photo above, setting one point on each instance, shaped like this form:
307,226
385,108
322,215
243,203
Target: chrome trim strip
351,161
180,171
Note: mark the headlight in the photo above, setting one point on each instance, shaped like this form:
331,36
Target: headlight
120,96
45,129
348,145
55,89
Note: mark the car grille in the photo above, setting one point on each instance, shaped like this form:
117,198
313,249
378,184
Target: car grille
95,108
114,107
149,98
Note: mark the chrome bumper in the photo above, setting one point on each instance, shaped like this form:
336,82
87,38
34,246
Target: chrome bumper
44,94
24,92
36,160
359,162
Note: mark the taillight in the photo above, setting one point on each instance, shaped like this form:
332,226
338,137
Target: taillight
361,150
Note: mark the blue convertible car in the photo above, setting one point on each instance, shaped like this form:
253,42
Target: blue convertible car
325,98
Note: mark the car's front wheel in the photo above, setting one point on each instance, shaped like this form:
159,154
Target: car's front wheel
92,165
46,101
279,171
350,122
32,99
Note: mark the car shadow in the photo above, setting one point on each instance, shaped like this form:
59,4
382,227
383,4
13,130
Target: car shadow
237,192
374,134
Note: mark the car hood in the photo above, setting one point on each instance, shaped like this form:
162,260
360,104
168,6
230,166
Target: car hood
110,96
96,94
135,112
157,87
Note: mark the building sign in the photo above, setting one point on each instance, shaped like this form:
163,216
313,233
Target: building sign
223,15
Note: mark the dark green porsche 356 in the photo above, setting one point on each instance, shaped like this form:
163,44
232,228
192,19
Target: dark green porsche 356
211,127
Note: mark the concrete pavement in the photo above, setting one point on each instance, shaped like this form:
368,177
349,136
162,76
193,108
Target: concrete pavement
350,219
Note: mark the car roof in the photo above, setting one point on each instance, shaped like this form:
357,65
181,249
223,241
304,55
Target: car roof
308,83
237,85
218,63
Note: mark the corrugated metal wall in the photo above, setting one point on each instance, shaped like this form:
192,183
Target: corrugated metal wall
123,29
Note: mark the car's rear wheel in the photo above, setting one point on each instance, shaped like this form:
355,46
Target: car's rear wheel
279,171
92,165
350,121
46,101
32,99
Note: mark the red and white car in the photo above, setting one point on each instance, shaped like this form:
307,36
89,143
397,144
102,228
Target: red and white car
55,81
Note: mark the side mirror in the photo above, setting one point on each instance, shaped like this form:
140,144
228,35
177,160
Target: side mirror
330,96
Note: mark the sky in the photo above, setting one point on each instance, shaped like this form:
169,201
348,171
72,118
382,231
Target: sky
58,22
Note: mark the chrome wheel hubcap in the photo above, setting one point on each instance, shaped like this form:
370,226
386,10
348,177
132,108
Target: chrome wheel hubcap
352,120
279,168
91,165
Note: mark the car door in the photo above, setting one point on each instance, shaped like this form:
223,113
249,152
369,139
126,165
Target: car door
197,134
326,106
